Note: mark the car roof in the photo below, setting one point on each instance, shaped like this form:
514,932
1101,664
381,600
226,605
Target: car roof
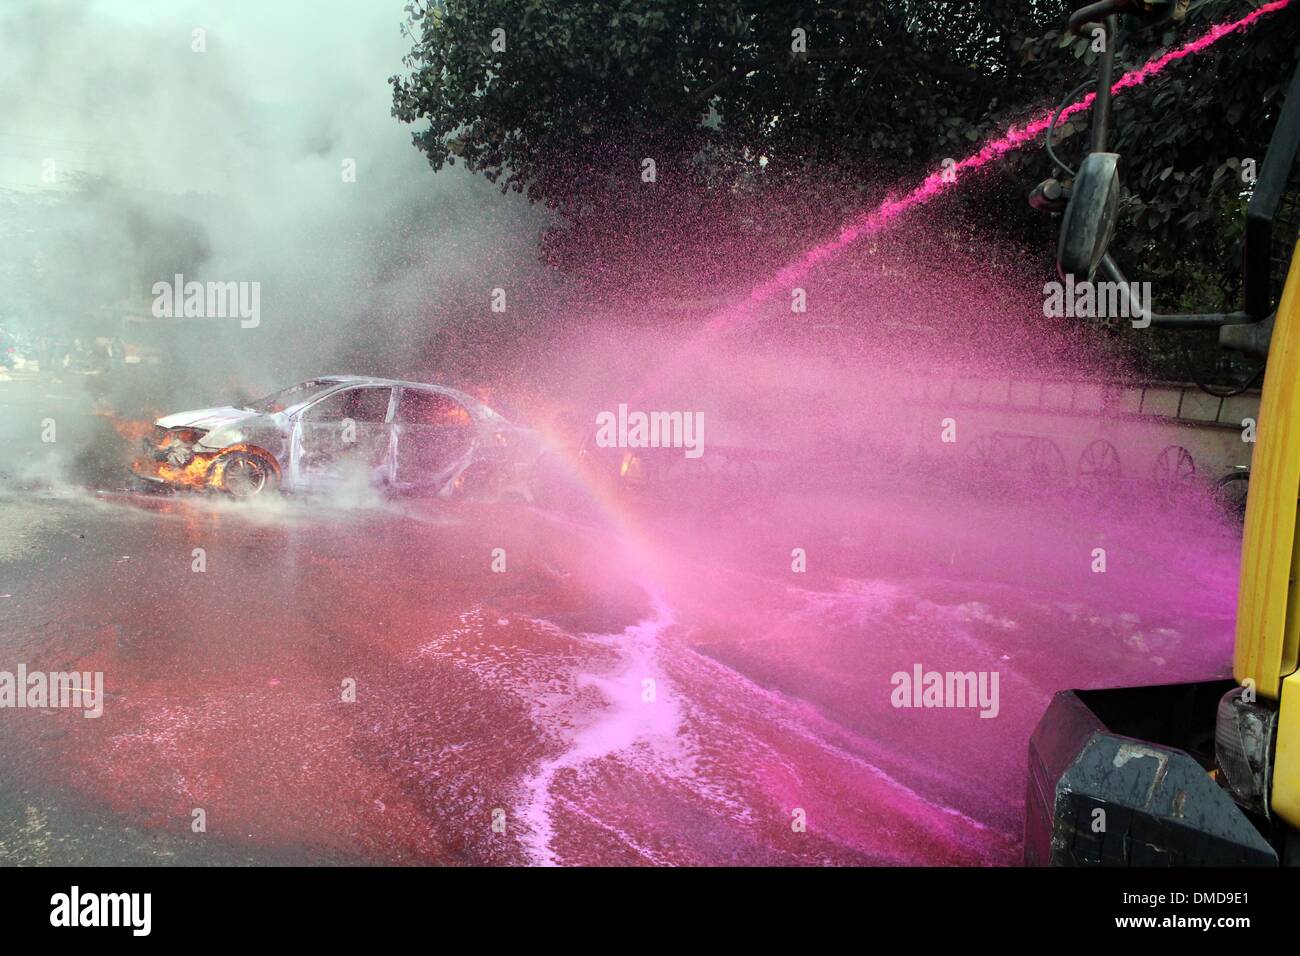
460,396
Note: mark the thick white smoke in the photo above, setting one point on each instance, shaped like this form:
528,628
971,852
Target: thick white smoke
127,156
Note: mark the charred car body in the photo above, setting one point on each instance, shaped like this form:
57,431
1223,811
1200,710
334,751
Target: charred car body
406,436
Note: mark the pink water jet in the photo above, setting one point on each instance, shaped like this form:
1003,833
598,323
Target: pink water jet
940,182
1014,138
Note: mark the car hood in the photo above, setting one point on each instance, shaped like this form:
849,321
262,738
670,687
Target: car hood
206,418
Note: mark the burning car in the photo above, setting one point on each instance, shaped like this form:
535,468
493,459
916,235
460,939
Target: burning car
404,436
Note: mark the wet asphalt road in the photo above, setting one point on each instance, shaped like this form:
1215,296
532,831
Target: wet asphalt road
351,681
226,678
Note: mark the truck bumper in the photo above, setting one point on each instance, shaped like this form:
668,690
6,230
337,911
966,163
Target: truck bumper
1110,783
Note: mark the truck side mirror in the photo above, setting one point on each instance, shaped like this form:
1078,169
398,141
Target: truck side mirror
1089,220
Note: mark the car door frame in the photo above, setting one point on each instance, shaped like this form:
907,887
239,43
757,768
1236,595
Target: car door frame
295,443
452,470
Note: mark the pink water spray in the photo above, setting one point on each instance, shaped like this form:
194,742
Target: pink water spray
937,183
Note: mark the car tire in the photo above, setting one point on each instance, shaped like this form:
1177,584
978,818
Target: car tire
246,474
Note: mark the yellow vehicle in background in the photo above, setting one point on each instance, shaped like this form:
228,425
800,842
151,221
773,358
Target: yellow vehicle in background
1204,773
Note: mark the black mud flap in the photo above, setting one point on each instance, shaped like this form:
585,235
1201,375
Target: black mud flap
1098,797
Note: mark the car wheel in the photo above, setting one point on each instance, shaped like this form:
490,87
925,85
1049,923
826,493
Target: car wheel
244,474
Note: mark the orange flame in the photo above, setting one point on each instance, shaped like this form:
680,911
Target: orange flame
130,429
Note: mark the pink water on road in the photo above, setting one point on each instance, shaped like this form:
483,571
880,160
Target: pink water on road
525,694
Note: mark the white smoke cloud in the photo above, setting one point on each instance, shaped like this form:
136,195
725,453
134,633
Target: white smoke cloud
228,165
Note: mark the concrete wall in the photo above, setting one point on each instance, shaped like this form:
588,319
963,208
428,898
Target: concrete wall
1139,421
